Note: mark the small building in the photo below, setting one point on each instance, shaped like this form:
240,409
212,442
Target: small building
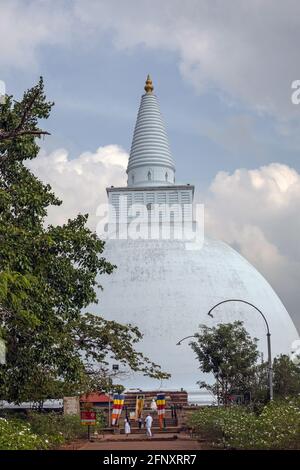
96,399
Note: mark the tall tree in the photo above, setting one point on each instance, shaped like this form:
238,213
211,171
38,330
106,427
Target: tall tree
48,277
286,376
230,354
286,380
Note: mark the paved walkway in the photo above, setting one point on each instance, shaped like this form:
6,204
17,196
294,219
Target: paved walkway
162,442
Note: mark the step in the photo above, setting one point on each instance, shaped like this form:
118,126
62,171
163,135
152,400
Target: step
154,430
155,422
134,439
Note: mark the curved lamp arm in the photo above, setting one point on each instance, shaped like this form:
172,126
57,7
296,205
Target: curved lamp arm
244,302
186,337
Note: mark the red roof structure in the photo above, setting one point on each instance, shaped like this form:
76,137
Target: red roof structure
95,398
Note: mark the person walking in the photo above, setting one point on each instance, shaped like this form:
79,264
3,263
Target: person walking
127,427
148,424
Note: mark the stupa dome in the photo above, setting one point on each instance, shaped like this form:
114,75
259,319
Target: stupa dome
167,291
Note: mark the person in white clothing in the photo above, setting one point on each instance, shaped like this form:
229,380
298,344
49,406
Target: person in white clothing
148,424
153,405
127,427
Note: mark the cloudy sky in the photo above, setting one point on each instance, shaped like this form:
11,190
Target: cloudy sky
223,73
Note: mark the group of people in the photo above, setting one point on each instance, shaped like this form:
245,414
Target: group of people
148,425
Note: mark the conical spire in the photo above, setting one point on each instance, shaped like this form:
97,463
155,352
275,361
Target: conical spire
150,162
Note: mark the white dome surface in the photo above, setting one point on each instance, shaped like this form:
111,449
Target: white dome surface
167,291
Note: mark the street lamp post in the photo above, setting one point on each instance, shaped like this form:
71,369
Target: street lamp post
270,375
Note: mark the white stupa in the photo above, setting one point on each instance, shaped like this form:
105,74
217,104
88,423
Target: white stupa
163,287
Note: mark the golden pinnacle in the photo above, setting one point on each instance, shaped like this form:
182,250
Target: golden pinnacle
148,87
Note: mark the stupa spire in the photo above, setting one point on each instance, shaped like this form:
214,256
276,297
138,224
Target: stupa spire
150,162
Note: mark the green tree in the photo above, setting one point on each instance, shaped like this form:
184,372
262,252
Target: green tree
48,277
230,354
286,380
286,377
259,386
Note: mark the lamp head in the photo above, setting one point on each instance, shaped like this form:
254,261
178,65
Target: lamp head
210,314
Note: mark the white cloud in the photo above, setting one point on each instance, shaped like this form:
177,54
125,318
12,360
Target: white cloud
242,50
257,212
80,182
25,26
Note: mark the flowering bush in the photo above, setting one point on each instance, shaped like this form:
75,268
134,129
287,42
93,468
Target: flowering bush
41,431
212,422
17,435
277,427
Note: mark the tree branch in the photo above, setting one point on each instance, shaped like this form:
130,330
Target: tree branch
21,130
15,133
27,110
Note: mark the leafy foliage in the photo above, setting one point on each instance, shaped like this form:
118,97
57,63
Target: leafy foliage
42,430
48,278
18,435
54,424
230,354
22,119
276,427
286,377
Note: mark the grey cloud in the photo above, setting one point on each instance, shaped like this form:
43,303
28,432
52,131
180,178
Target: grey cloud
257,212
247,51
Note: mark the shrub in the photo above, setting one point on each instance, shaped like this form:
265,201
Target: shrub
67,426
41,430
54,424
277,427
213,421
17,435
280,424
